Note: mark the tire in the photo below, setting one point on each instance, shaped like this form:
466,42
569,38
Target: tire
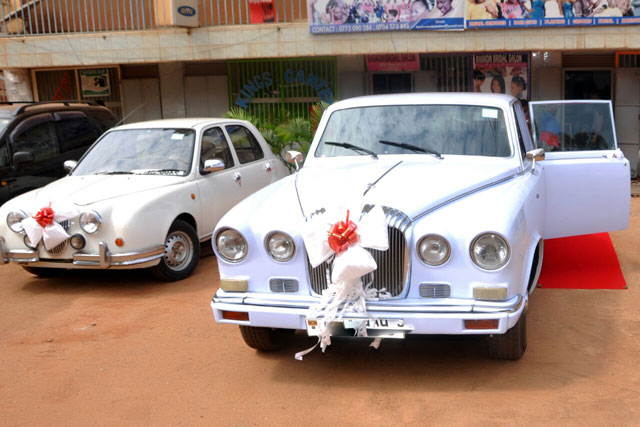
512,344
262,339
42,272
181,253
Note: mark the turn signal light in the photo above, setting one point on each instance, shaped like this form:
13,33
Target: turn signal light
481,324
119,242
490,293
234,285
235,315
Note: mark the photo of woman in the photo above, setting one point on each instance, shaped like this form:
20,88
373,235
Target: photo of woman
497,84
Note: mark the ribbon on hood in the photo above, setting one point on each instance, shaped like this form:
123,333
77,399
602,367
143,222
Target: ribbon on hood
45,225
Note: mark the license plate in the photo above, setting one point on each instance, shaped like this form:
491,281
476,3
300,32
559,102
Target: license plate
383,328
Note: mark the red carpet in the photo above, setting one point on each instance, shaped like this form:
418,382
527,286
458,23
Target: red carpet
582,262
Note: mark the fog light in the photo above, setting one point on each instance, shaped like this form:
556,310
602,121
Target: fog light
77,241
235,315
234,285
482,324
490,293
27,242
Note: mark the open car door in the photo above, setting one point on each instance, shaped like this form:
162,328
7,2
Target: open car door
587,178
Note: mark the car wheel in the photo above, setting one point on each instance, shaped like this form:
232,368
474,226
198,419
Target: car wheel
512,344
42,272
262,339
181,253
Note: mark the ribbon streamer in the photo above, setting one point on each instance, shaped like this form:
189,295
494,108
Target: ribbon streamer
45,225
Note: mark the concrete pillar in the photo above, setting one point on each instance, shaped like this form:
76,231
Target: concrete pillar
172,90
17,84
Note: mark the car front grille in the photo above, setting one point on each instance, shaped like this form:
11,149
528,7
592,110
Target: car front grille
62,246
393,264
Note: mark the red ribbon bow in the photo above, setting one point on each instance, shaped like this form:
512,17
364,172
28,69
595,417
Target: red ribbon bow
342,235
45,216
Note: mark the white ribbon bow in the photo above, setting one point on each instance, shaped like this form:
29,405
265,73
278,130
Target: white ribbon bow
346,292
53,234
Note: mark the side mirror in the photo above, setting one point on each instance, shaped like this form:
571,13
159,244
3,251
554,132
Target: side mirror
69,165
213,165
294,157
535,156
22,157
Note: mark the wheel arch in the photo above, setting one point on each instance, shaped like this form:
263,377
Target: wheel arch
189,219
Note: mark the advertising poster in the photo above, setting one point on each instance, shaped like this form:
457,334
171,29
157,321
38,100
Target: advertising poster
261,11
540,13
393,62
348,16
95,82
502,73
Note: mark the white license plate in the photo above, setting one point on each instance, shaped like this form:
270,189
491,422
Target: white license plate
385,328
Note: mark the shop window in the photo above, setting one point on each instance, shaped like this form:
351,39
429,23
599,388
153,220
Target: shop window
215,146
391,83
75,130
587,84
246,146
35,135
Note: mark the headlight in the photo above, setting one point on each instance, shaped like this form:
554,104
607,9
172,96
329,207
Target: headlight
231,245
14,220
434,249
280,246
90,221
490,251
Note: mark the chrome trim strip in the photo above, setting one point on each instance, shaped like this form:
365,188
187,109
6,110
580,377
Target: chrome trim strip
3,258
21,255
460,196
206,237
106,259
452,305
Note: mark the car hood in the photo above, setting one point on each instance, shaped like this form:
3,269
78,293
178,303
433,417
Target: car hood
412,186
83,190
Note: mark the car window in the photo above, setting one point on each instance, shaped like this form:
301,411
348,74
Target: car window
523,149
75,130
4,155
35,135
215,146
104,119
245,144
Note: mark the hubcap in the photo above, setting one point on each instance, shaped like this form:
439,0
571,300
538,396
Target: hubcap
178,250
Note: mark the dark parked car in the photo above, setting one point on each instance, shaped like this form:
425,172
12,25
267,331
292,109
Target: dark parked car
36,138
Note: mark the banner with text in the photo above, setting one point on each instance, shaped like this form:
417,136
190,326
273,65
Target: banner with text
261,11
502,73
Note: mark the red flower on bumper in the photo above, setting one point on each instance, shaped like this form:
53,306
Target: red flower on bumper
342,235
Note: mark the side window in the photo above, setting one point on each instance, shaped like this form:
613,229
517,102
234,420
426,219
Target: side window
523,149
4,155
246,146
104,119
215,146
76,130
35,135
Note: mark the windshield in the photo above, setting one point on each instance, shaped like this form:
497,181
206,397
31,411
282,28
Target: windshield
140,151
573,126
416,129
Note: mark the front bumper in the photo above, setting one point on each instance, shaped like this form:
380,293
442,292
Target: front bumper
103,259
445,316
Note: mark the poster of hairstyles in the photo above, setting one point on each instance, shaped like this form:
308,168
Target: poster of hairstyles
506,73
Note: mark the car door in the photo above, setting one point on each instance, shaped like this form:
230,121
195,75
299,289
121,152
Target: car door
219,191
36,135
587,178
255,169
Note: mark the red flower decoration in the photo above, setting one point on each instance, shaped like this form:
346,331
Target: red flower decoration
45,216
342,235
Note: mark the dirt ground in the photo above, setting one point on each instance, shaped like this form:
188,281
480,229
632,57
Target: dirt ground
118,348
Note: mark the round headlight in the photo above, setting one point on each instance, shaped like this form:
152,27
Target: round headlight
434,250
90,221
14,220
490,251
231,245
280,246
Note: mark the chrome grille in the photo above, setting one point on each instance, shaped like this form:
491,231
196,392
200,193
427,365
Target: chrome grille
62,246
434,290
393,264
283,285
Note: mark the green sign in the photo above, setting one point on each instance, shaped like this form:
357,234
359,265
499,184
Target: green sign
95,82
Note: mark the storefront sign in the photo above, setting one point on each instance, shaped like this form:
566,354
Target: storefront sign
185,13
502,73
95,82
393,62
350,16
261,11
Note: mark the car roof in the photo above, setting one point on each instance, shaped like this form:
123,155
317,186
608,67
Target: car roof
9,109
177,123
459,98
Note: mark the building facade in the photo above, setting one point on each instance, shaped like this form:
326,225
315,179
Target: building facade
138,58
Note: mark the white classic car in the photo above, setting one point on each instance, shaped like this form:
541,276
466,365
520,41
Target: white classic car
467,199
144,195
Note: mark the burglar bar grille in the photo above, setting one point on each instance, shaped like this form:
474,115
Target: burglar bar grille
453,71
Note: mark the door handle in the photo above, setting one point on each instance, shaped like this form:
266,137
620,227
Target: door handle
267,167
237,177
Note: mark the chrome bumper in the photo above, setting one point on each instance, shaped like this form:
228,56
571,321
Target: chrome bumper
103,259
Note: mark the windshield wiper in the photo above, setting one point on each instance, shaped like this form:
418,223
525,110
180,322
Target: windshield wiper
114,173
412,148
158,171
353,147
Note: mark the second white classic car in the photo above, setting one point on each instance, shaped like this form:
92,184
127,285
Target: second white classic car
144,195
468,201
